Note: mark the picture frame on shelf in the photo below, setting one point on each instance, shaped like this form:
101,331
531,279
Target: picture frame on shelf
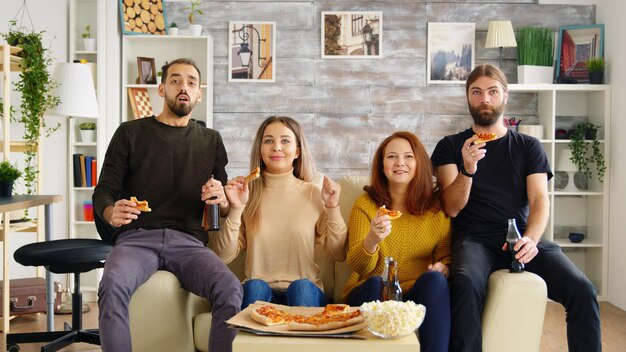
252,53
150,19
139,101
147,70
576,46
450,42
351,34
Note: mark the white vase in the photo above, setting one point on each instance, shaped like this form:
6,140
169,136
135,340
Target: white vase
89,44
172,31
195,29
88,136
528,74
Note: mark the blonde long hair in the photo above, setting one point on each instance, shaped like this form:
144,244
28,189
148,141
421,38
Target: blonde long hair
303,167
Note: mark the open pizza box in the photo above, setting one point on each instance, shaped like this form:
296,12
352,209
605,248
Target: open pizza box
244,322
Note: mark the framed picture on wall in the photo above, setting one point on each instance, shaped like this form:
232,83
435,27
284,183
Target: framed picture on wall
450,52
147,70
577,45
148,17
251,57
352,34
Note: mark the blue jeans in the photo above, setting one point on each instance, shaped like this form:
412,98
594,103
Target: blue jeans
431,290
301,292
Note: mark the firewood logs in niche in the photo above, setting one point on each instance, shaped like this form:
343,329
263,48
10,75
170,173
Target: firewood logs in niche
144,16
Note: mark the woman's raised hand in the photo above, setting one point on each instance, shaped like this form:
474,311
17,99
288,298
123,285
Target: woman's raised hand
380,227
330,193
237,191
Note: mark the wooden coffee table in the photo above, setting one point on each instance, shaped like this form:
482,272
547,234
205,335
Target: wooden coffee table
247,342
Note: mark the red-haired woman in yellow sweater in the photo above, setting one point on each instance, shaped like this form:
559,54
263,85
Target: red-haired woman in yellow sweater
402,179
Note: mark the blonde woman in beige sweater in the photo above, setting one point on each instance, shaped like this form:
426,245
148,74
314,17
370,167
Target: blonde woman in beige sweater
279,217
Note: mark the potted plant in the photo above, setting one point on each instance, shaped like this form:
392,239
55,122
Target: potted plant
595,67
195,29
8,174
89,43
535,55
87,131
585,148
173,30
34,86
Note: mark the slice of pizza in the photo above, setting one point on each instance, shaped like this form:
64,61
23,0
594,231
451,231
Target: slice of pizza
393,214
269,315
324,322
141,205
254,174
485,137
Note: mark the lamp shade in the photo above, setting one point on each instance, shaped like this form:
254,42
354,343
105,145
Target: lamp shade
500,35
75,91
565,162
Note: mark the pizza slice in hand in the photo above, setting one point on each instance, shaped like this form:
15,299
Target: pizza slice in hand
393,214
485,137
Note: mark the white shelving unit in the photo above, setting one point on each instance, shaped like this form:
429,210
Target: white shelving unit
586,211
162,49
82,14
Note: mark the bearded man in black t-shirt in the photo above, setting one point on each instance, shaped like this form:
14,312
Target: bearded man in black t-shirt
484,184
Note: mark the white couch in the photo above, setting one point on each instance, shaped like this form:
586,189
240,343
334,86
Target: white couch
164,317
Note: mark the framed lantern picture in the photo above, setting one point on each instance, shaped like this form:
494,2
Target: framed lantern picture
450,52
251,57
577,45
352,34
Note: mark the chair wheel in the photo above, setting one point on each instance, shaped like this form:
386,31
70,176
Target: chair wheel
13,348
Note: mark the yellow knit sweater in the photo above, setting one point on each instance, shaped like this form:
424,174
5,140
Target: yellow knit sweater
414,241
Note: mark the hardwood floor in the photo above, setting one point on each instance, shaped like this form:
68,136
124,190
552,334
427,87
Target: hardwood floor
553,339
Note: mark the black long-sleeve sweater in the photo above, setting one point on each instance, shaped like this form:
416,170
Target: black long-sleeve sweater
164,165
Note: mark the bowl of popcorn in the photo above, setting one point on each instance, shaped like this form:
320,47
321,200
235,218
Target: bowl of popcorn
393,319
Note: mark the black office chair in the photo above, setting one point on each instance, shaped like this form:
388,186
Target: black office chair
63,257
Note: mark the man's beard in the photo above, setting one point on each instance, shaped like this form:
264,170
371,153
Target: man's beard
483,118
179,109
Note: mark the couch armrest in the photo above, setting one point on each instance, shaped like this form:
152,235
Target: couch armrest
162,299
514,311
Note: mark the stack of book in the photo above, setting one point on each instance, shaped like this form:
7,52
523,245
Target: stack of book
85,170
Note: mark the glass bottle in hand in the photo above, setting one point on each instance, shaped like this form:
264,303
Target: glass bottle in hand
212,215
512,236
392,290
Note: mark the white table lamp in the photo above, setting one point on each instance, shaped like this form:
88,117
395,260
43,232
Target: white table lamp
500,35
565,164
77,97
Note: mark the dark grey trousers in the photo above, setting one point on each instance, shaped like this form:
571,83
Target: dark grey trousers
137,255
473,259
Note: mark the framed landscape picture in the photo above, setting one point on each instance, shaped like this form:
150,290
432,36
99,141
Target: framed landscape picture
251,55
576,46
352,34
450,52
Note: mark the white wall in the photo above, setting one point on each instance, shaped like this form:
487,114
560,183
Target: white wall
610,12
51,16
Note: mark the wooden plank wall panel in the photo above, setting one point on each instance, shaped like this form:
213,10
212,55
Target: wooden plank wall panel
347,107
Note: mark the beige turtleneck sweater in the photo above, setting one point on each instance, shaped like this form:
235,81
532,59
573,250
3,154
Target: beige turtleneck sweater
292,220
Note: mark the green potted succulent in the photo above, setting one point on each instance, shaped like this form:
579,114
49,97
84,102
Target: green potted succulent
586,151
595,66
87,131
194,28
173,30
8,174
535,55
89,43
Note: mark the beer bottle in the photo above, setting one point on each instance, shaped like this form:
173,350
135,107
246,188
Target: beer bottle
212,215
392,291
512,236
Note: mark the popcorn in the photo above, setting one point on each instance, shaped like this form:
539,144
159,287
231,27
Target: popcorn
392,318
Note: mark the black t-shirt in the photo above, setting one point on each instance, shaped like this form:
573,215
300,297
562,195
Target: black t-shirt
498,188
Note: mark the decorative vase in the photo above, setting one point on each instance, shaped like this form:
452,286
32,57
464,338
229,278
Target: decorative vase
89,44
6,189
529,74
596,77
172,31
88,136
195,29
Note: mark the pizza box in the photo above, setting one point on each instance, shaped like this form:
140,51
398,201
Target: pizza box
244,321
